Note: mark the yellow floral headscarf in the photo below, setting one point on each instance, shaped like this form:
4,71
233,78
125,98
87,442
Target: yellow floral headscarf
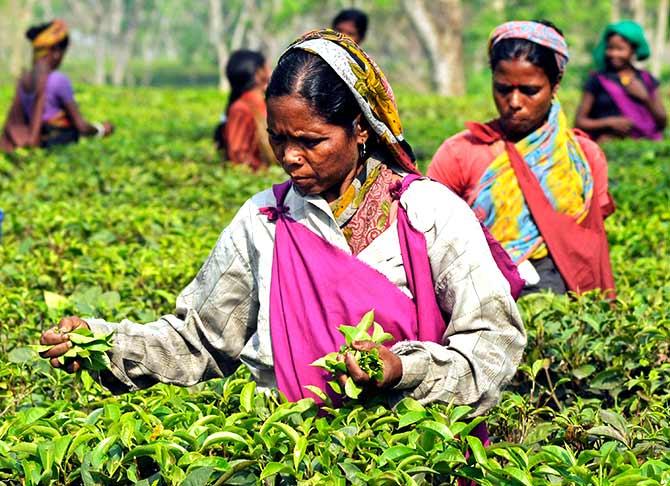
368,85
49,37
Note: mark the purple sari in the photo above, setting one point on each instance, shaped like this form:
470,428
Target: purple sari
316,286
644,125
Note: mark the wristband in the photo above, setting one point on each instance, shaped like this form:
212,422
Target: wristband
99,128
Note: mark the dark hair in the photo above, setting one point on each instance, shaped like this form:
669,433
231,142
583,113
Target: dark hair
241,71
34,31
632,44
307,75
358,17
538,55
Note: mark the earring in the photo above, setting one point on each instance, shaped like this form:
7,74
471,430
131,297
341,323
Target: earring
361,151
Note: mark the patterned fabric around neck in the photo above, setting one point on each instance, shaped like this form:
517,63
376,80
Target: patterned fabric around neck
364,211
557,160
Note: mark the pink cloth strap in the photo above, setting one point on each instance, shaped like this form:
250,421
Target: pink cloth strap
316,287
644,124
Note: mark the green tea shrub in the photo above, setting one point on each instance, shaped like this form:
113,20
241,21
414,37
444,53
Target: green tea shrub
117,227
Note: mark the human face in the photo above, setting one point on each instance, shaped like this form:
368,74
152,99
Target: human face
262,77
348,27
619,52
522,94
56,57
321,158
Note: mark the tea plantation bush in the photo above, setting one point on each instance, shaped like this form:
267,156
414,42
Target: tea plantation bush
116,228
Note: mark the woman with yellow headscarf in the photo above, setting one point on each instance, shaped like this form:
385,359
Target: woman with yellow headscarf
44,112
353,228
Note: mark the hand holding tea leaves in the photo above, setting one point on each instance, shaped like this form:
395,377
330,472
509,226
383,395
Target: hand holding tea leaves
73,339
363,361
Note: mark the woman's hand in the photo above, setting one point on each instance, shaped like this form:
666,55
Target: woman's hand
620,124
109,129
638,90
59,340
391,362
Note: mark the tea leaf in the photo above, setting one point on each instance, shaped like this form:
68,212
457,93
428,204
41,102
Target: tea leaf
351,389
55,301
583,371
273,468
366,321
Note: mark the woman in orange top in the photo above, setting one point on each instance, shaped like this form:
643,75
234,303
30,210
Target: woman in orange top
540,188
242,136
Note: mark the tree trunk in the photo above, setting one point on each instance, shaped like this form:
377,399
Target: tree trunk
439,27
659,37
90,19
639,14
100,73
47,9
239,30
615,11
216,37
21,15
259,23
125,41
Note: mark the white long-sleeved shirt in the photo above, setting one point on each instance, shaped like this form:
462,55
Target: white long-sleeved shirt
222,316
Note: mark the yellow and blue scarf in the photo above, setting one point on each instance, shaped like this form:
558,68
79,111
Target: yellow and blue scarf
555,157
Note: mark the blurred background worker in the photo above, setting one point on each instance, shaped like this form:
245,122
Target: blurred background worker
44,112
352,22
619,99
242,136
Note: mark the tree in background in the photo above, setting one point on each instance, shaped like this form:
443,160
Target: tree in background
439,26
660,37
16,16
657,32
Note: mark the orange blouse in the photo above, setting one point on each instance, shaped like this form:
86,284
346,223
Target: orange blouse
245,131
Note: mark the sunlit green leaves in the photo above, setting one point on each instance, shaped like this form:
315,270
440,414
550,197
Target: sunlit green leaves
116,228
